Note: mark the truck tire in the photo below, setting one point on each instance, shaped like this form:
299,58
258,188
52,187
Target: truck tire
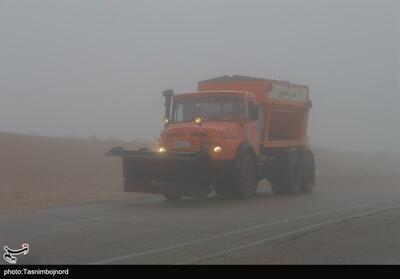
308,169
286,176
245,182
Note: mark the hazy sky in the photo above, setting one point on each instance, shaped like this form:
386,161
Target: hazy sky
98,67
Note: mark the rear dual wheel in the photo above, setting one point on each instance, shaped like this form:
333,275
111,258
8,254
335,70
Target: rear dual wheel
293,172
308,165
286,178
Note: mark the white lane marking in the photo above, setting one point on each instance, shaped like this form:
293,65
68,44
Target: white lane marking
77,222
223,235
280,236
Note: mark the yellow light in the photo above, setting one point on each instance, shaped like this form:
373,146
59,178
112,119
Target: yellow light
165,121
162,150
198,120
217,149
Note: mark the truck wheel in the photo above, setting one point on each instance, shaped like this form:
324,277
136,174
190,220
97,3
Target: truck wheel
245,183
173,197
308,169
286,177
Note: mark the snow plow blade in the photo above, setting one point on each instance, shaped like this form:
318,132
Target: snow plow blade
162,173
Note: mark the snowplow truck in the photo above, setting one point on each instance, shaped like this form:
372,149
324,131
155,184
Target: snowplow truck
230,134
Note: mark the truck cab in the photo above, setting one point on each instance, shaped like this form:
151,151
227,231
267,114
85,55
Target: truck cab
215,122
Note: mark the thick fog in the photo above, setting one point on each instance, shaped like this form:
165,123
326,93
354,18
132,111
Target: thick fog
81,68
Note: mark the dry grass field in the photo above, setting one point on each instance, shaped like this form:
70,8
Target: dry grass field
37,172
43,171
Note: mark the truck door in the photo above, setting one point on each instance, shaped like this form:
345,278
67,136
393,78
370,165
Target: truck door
252,133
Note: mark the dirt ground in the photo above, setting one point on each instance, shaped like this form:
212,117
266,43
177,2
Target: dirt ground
38,172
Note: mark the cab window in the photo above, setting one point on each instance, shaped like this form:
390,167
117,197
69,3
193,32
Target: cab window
252,111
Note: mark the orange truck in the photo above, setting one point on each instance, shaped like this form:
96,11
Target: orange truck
230,134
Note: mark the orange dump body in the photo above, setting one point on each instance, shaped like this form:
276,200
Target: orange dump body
283,108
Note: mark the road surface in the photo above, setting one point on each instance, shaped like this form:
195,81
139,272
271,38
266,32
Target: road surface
346,221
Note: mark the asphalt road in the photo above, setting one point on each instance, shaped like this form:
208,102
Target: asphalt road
346,221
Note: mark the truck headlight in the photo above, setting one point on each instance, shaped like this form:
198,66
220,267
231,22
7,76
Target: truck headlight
198,120
217,149
162,149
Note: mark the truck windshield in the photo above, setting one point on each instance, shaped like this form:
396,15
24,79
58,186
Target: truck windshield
227,108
